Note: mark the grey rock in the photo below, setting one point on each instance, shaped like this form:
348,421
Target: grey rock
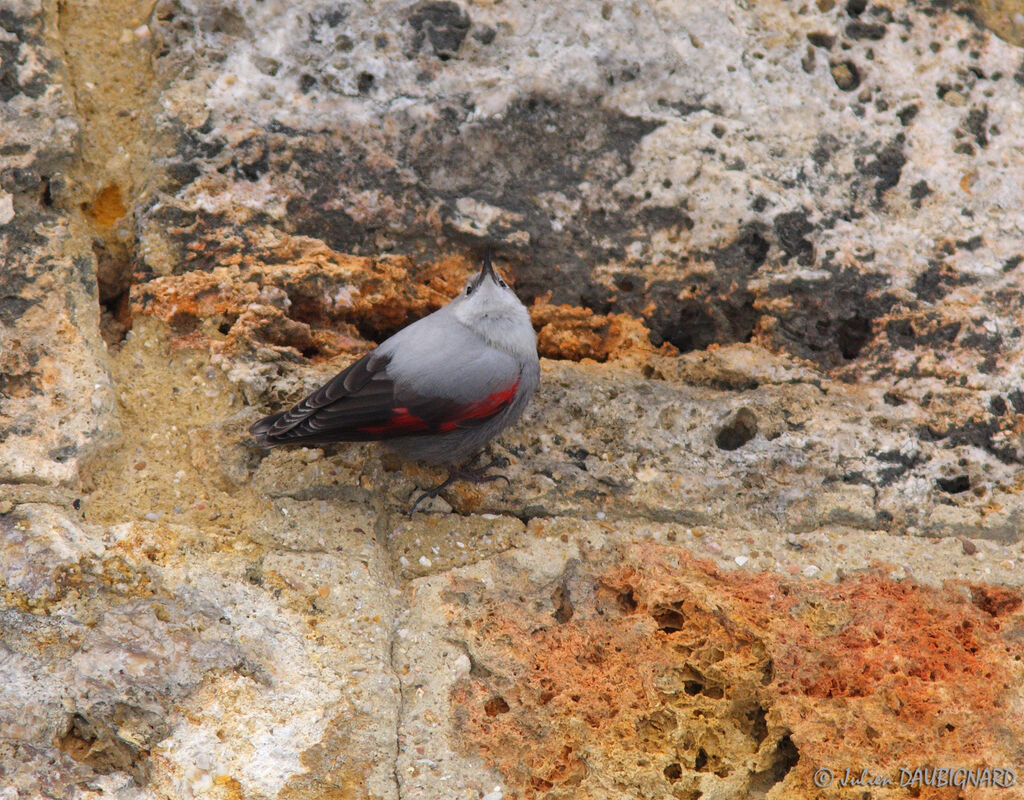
56,399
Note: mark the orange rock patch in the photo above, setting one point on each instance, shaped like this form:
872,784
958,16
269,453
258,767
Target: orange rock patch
574,333
657,673
297,296
107,208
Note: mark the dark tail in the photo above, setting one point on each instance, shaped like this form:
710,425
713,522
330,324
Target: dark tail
262,428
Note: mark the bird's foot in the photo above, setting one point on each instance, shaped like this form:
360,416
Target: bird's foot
468,474
479,474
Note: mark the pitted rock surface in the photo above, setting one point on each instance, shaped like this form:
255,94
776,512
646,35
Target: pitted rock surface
764,514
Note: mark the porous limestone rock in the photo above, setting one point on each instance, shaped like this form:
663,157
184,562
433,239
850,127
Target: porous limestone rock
582,662
773,255
56,399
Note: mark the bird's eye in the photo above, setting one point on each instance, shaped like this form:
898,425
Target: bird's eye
502,284
469,291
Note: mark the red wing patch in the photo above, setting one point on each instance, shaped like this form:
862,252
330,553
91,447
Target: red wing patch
481,409
404,422
401,422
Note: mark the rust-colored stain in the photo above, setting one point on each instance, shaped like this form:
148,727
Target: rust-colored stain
334,770
574,333
107,208
996,600
295,295
656,672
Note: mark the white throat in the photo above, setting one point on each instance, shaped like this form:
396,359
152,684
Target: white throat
497,316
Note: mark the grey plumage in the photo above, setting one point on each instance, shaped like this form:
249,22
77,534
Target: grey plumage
437,391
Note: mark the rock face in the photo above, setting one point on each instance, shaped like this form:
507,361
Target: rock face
773,256
639,665
55,387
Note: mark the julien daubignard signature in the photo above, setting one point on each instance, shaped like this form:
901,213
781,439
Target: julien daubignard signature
936,777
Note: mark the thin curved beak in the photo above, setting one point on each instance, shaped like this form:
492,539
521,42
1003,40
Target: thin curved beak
487,271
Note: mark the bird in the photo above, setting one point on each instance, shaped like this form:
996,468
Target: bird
435,392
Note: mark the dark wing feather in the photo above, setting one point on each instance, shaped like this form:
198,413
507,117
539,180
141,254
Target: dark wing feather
360,395
362,404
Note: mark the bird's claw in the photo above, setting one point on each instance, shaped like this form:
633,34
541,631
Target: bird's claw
478,475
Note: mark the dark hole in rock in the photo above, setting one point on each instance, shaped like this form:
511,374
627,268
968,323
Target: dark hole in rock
846,75
115,315
485,34
701,761
563,605
495,706
670,619
113,262
907,114
693,328
758,719
306,308
579,455
954,485
626,601
226,324
737,431
444,23
78,739
785,758
853,334
693,688
673,772
695,323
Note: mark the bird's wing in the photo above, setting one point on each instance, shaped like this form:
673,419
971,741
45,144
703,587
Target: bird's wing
403,388
362,394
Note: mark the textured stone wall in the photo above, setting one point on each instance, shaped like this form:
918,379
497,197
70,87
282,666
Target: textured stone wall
765,510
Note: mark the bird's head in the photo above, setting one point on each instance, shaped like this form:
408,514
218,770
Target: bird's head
489,306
